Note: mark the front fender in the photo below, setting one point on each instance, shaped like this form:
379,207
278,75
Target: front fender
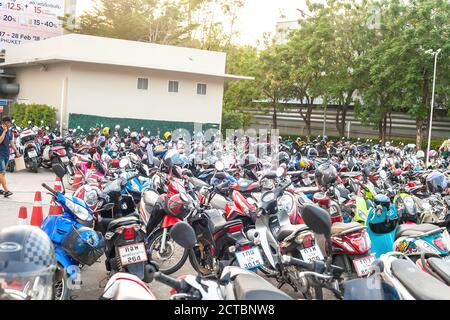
70,265
264,236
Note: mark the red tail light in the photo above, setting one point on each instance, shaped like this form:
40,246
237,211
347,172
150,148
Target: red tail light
235,228
129,233
246,247
308,241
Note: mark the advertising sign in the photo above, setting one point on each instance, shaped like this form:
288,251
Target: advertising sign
27,20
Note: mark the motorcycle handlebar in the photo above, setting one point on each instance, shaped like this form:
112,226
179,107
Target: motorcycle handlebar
49,189
178,285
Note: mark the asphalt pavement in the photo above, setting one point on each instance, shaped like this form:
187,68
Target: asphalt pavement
25,184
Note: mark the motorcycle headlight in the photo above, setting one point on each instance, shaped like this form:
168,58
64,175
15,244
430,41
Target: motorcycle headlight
91,198
285,203
81,212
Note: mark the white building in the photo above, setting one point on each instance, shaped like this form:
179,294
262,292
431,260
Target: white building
283,28
94,80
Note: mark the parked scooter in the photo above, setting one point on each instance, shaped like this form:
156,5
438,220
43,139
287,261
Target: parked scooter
76,243
409,280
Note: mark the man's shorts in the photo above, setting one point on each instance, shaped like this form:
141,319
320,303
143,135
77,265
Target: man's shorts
3,163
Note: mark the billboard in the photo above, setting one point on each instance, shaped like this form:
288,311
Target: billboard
27,20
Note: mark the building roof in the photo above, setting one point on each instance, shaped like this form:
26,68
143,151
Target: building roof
109,51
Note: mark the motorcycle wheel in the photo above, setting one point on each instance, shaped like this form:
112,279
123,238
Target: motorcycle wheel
170,254
61,286
34,166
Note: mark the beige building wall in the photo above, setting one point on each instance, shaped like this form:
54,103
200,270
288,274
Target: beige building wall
111,91
44,85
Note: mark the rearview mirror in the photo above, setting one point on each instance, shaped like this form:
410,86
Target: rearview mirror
280,172
219,166
317,219
184,235
59,170
124,163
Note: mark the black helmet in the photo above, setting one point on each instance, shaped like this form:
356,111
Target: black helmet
27,264
283,157
325,175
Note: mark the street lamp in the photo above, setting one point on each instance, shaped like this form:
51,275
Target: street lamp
435,54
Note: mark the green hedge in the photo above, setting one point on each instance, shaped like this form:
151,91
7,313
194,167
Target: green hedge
38,114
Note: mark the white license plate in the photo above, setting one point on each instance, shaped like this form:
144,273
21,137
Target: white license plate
363,265
12,156
65,159
32,154
250,259
333,210
312,254
131,254
307,181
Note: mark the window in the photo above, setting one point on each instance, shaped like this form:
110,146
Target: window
173,86
143,83
201,88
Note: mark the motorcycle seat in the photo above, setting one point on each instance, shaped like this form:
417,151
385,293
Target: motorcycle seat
218,202
421,285
342,228
217,222
290,229
123,221
245,184
405,230
250,286
198,184
441,267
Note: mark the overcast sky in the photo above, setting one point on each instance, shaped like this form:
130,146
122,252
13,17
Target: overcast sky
257,17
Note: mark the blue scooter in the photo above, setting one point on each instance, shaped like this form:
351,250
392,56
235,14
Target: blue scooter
382,223
75,241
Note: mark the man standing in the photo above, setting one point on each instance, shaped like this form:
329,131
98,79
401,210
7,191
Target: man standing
6,140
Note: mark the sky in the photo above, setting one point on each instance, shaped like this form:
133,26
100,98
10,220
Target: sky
255,18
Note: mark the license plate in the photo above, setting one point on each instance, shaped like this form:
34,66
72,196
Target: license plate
32,154
333,210
250,259
65,159
12,156
312,254
131,254
307,181
363,265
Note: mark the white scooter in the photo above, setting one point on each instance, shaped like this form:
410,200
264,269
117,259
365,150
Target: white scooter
411,283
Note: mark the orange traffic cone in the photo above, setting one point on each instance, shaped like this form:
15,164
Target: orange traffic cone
37,215
55,209
23,215
77,180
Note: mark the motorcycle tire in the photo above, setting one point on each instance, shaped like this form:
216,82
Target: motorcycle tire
34,166
152,242
314,293
62,285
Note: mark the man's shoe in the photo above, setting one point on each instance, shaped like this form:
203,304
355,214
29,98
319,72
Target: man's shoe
8,194
2,192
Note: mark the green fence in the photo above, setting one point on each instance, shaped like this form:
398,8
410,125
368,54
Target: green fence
154,126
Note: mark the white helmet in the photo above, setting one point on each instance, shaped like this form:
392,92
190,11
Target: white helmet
144,141
134,135
420,154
